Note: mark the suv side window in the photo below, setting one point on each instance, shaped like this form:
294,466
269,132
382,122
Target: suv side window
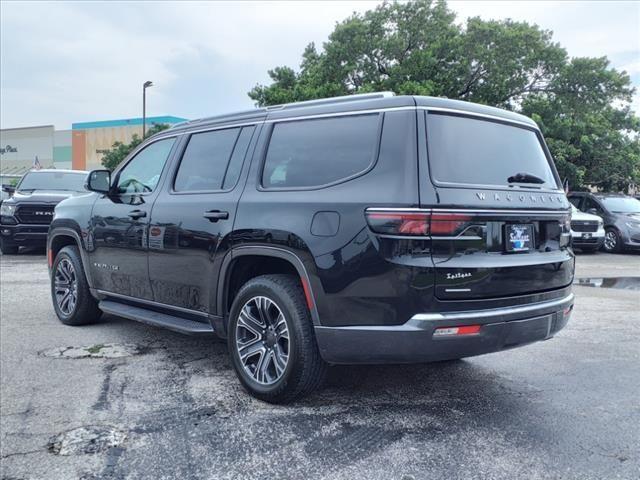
205,160
318,152
576,201
142,173
590,203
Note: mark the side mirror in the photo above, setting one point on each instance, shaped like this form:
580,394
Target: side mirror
99,181
592,211
9,189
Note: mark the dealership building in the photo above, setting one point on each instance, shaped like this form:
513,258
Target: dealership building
80,148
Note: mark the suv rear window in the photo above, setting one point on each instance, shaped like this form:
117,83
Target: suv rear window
465,150
313,153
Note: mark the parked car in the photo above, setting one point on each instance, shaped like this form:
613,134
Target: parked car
348,230
587,230
26,215
621,215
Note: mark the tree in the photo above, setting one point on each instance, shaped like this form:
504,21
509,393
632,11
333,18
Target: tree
119,150
417,48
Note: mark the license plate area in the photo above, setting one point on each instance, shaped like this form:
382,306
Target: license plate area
518,237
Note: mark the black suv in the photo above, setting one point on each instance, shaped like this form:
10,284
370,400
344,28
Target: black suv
621,216
364,229
26,215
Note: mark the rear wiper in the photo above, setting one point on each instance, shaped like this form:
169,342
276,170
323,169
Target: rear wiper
524,178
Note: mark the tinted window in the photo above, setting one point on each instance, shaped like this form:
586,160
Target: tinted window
575,201
205,160
53,181
317,152
590,203
479,152
621,204
142,173
239,152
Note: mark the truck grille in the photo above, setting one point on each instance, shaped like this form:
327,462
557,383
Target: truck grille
584,226
35,214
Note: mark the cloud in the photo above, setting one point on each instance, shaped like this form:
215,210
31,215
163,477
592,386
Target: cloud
66,62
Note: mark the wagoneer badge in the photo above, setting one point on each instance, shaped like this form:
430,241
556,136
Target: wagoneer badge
522,197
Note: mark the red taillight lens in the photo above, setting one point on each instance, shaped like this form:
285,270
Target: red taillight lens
448,223
399,223
423,222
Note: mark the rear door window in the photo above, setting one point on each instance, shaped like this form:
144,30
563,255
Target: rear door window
465,150
204,162
318,152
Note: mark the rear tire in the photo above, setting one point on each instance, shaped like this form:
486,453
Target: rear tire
271,340
8,249
72,300
612,241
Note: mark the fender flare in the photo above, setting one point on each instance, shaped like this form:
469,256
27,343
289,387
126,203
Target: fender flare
70,232
265,251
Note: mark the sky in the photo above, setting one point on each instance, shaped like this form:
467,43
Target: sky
66,62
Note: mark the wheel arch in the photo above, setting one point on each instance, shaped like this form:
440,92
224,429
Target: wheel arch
61,237
275,260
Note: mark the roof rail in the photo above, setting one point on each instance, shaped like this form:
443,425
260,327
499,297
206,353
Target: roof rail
332,100
222,116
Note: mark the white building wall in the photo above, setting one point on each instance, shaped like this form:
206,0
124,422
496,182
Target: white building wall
20,146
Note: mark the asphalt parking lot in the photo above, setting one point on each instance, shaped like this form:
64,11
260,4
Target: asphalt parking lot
123,400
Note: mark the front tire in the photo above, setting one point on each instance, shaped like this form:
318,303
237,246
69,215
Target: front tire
271,340
612,241
72,300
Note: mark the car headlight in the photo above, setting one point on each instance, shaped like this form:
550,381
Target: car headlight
7,209
633,225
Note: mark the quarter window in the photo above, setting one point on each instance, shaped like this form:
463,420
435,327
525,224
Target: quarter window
312,153
142,173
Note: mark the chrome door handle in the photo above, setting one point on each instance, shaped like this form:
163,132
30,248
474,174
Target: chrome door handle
215,215
137,214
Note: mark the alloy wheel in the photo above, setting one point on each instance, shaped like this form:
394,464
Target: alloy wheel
262,340
610,240
66,286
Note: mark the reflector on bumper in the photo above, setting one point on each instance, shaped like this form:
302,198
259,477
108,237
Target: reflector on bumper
451,331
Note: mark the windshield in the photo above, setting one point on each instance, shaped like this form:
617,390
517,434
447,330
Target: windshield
621,204
53,181
465,150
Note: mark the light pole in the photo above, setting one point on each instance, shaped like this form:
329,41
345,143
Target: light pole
145,85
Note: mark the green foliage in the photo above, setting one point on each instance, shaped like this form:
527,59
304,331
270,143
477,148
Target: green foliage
416,48
119,150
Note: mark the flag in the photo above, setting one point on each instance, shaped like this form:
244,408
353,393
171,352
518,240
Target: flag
36,164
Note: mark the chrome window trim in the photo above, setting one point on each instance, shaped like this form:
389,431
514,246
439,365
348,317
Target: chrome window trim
339,114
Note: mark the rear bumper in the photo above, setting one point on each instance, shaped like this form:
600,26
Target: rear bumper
24,235
414,341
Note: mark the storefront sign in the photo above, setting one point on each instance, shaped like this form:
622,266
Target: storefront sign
8,149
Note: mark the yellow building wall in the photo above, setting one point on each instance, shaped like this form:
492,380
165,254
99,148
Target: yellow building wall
100,140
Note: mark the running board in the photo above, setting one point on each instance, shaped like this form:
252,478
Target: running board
170,322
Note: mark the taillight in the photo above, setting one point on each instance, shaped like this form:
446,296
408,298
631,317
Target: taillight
422,222
399,222
443,223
